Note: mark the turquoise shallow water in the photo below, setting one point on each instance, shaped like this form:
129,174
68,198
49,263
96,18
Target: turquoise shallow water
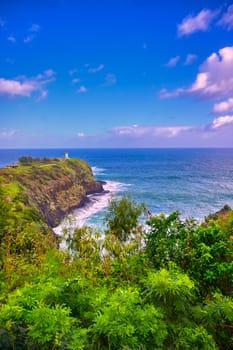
194,181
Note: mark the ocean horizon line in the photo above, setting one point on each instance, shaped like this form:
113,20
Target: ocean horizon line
114,148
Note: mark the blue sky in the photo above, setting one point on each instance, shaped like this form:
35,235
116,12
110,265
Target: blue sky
126,73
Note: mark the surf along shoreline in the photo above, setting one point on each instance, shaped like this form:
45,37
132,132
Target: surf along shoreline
93,204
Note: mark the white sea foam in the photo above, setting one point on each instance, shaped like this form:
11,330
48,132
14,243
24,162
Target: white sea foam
94,204
97,171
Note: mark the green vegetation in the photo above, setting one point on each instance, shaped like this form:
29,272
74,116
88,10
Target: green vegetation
168,285
48,187
27,160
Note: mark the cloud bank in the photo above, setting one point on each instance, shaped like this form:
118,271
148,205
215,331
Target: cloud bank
218,133
141,131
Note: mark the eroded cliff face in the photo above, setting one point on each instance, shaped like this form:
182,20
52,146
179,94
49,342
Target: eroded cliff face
54,187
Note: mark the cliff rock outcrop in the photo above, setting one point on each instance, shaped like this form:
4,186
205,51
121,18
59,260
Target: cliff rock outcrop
53,187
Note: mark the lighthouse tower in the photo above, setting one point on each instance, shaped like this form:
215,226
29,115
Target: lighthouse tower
66,155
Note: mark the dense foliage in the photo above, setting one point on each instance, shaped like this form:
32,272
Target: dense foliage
168,285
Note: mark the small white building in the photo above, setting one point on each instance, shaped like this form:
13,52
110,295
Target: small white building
66,155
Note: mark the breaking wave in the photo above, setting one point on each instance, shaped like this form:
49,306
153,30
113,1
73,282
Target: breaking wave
95,203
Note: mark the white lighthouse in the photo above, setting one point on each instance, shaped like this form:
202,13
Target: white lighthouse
66,155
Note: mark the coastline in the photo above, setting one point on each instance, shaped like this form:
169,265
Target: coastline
193,181
94,204
49,187
84,202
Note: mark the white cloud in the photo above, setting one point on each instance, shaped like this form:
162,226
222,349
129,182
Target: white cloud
82,90
110,79
227,19
173,61
96,69
216,75
141,131
75,80
214,80
49,73
190,58
222,121
28,39
224,106
23,86
11,38
7,133
13,87
73,71
43,95
81,134
33,31
34,28
164,93
200,22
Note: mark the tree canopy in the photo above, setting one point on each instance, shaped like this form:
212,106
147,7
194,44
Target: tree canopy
164,285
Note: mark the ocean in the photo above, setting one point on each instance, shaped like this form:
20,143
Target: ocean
194,181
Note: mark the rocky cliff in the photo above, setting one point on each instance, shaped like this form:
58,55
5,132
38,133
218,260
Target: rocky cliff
52,187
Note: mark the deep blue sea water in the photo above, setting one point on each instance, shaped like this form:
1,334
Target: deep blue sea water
194,181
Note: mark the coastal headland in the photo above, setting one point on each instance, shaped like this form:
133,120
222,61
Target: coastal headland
48,188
